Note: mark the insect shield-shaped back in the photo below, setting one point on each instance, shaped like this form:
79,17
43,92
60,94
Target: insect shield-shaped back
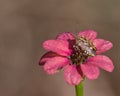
83,49
86,45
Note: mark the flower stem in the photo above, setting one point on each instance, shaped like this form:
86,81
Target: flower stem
79,89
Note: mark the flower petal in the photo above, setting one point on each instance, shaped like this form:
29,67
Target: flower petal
102,45
65,36
89,34
103,62
53,65
90,71
47,56
59,46
71,75
68,36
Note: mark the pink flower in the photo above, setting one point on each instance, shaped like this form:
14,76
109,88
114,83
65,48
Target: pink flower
79,56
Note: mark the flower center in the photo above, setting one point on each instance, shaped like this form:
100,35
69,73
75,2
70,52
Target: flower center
82,50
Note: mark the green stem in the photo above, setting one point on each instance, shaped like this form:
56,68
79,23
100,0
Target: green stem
79,89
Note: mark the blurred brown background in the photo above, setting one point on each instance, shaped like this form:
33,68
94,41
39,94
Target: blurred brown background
25,24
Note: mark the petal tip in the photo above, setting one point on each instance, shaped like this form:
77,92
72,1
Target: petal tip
89,34
102,45
65,36
49,70
90,71
111,69
71,75
103,62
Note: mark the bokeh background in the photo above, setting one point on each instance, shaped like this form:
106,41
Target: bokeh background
25,24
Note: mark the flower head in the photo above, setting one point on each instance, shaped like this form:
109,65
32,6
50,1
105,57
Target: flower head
79,56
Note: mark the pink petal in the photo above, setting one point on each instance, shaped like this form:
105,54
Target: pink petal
89,34
59,46
90,71
103,62
65,36
71,75
47,56
102,45
54,64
